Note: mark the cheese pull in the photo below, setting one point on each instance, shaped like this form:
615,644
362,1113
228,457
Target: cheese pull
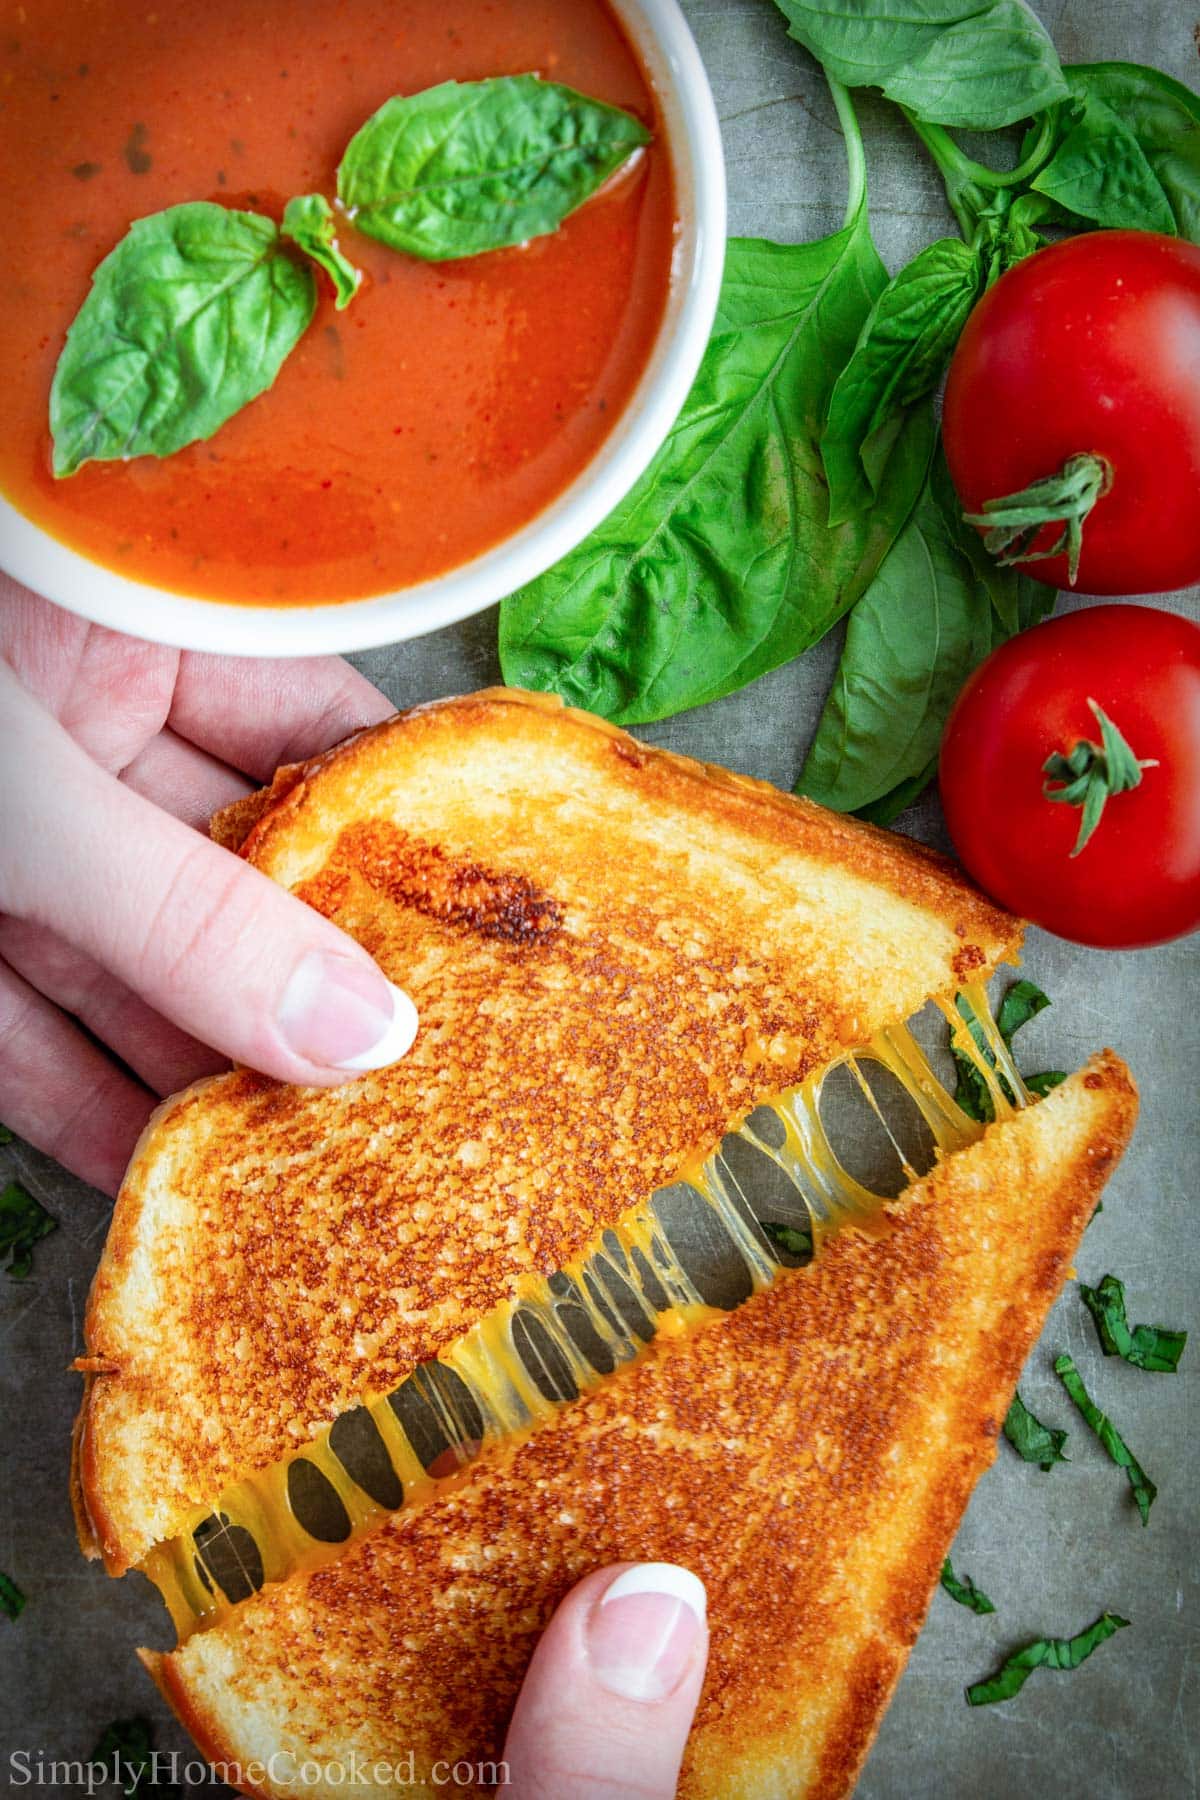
696,1249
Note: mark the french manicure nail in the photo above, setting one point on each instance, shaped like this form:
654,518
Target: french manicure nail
643,1635
345,1014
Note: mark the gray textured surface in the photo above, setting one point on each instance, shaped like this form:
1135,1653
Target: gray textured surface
1052,1550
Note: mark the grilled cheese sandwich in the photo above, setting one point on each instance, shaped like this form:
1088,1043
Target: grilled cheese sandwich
345,1343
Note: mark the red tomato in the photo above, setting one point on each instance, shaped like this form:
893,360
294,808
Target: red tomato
1091,345
1137,880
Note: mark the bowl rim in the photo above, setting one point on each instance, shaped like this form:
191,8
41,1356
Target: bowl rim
50,567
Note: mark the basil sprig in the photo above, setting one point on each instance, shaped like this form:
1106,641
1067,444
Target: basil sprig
720,564
24,1221
1144,1490
788,1238
963,1589
1033,1441
188,320
471,166
1150,1347
1043,1653
193,314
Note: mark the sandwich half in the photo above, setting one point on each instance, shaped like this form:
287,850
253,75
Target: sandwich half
374,1374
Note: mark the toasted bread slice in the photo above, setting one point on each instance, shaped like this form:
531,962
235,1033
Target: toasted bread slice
809,1457
615,954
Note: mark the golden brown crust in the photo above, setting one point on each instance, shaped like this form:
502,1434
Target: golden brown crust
809,1457
85,1531
615,953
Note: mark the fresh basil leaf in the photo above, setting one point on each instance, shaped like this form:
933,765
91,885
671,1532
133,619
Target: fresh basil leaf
187,320
12,1600
1043,1653
1100,173
1150,1347
470,166
890,805
937,606
1144,1490
128,1745
720,565
309,221
981,63
1033,1441
963,1589
788,1238
898,359
23,1222
1164,117
6,1136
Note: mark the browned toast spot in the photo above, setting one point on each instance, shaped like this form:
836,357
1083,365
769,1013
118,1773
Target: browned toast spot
495,903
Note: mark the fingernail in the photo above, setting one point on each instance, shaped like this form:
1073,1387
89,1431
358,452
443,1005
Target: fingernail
345,1014
643,1636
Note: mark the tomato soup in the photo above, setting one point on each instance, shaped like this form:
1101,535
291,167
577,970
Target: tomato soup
442,410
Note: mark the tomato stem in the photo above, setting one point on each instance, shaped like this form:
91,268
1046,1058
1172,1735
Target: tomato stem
1012,523
1091,773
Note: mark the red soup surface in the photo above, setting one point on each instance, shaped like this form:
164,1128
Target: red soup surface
436,415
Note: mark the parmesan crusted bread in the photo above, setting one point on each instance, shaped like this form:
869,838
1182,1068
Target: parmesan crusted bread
615,955
809,1457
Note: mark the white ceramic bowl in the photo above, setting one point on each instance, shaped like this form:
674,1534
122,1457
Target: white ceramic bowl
665,44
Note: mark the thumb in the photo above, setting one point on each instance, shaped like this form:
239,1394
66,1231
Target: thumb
608,1701
209,942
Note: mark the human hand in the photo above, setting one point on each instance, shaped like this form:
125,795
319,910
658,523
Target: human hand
116,911
607,1704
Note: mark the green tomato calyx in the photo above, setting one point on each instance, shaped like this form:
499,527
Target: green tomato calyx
1011,524
1091,773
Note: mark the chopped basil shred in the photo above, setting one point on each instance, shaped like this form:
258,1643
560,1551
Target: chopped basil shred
1151,1347
12,1600
128,1746
23,1221
963,1589
1023,1001
788,1238
6,1136
1144,1490
1043,1653
1033,1441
